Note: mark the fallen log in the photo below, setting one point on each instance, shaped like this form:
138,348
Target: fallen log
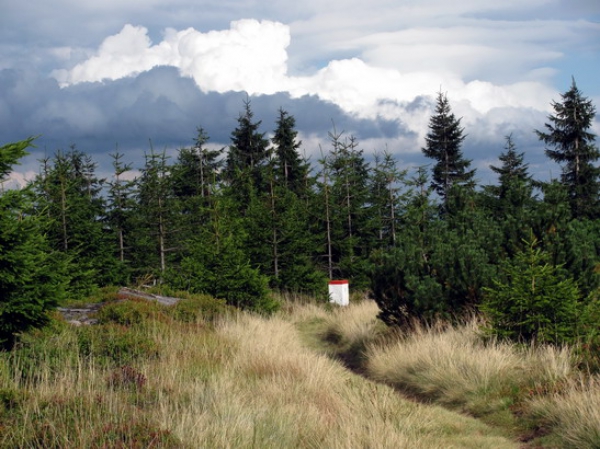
130,293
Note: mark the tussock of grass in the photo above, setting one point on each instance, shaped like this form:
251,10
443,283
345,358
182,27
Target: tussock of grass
573,413
453,366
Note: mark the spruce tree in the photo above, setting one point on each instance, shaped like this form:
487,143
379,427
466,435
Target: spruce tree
195,175
197,169
443,144
348,193
533,300
215,262
290,168
120,207
403,278
280,240
384,199
572,144
512,201
156,215
33,278
70,195
246,157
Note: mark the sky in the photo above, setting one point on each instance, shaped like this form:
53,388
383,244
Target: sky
130,75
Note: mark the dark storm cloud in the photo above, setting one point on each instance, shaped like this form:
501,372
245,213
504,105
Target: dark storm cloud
158,106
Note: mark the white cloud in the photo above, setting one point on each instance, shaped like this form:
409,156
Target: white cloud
17,180
252,56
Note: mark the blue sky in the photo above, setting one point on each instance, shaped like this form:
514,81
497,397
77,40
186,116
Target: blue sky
118,73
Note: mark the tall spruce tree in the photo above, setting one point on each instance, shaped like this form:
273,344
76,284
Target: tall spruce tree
385,196
197,169
195,176
156,215
70,195
290,168
443,144
512,201
348,193
33,278
280,240
121,205
247,156
572,144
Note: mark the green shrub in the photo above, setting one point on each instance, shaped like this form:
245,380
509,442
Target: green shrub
533,300
64,422
224,272
11,399
54,352
33,278
104,344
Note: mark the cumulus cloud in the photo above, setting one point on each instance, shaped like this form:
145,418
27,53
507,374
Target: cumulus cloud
251,56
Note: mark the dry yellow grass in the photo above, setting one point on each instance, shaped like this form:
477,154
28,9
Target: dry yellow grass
250,383
455,367
574,413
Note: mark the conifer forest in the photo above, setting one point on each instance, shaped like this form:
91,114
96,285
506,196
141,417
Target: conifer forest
256,217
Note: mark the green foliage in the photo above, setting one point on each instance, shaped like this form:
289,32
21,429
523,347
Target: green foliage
59,420
582,253
385,198
440,265
572,144
404,287
234,227
511,202
155,216
107,345
69,197
11,400
120,208
246,157
443,144
343,202
533,300
216,265
291,170
32,278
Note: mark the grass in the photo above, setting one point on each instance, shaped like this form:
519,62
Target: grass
236,381
573,411
456,367
533,394
200,375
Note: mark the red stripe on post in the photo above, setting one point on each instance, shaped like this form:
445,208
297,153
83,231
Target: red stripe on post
340,282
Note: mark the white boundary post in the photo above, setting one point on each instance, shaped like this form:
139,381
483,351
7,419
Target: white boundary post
339,292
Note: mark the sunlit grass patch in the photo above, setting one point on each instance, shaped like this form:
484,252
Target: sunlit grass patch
455,367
